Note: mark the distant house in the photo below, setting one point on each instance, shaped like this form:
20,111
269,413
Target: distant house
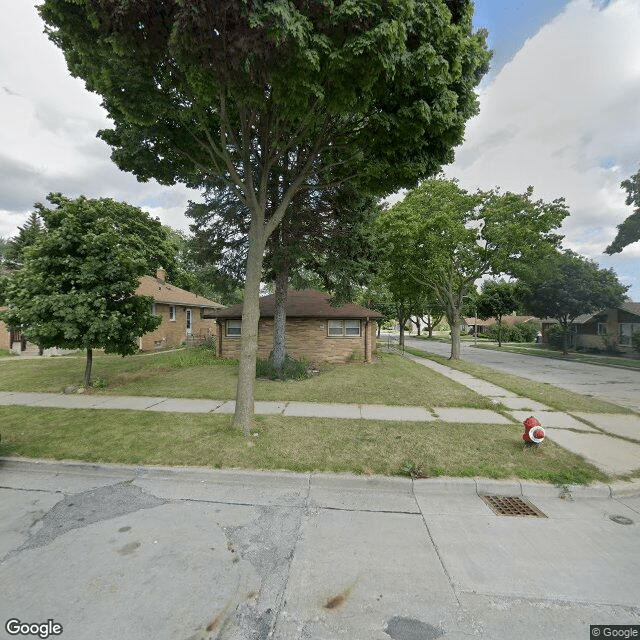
182,315
315,330
609,329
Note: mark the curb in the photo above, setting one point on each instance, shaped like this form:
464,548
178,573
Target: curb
459,486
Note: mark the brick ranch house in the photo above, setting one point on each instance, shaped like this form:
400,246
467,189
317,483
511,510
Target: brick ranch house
182,315
603,330
315,331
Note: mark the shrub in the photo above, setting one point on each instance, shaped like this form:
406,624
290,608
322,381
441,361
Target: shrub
521,332
554,336
209,343
291,370
635,341
524,332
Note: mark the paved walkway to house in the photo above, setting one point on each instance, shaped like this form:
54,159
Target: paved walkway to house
609,441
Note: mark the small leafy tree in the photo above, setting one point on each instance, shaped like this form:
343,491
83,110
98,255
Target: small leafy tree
76,287
497,299
570,286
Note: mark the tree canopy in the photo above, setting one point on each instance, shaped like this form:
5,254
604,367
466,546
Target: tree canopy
443,238
274,97
76,287
629,229
572,285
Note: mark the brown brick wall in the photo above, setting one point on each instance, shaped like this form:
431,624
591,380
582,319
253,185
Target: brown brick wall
305,338
172,333
4,336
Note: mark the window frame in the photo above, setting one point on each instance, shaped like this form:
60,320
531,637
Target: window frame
238,327
173,313
341,324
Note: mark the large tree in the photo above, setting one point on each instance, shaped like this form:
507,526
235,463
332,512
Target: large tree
442,238
76,287
629,229
569,286
275,96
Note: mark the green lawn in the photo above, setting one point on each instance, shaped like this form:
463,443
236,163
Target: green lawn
293,444
195,373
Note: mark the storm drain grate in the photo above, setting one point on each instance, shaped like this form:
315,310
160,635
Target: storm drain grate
512,506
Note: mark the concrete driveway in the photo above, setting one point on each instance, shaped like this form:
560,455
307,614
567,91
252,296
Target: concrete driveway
612,384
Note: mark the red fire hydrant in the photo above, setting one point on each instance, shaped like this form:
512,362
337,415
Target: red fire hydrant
533,432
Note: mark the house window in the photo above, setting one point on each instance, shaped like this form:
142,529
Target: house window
344,328
602,328
234,328
154,311
172,314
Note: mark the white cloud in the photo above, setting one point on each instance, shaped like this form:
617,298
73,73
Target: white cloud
48,132
564,116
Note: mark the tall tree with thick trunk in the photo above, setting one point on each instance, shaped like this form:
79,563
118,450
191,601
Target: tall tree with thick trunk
289,93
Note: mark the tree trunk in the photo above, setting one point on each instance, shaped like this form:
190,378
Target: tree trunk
280,318
249,339
87,370
430,325
454,321
499,331
565,340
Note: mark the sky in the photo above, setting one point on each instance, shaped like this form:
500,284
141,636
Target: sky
559,110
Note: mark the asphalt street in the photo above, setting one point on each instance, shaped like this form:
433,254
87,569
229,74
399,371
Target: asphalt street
138,553
616,385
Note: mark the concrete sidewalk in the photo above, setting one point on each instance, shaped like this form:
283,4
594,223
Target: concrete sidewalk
611,442
142,553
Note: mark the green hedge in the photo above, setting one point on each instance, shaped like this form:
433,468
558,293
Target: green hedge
521,332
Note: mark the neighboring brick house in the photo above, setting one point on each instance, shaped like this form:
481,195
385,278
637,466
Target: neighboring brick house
181,311
182,314
5,334
608,329
315,331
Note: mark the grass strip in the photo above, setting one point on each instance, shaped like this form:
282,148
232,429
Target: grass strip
291,444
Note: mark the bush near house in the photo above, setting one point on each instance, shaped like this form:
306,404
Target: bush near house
520,332
635,341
